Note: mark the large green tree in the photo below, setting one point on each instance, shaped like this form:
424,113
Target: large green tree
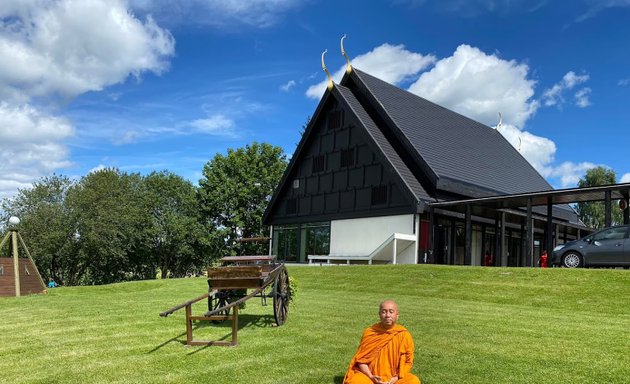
234,192
177,242
111,222
593,214
47,226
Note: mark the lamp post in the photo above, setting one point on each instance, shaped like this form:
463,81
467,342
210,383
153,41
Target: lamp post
13,222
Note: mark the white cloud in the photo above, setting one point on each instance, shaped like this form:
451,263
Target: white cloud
581,97
218,13
286,87
623,82
539,151
480,86
596,6
30,146
625,178
569,173
554,95
99,167
25,124
216,125
53,51
391,63
71,47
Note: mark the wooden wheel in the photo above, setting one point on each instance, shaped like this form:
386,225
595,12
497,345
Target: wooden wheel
220,299
281,297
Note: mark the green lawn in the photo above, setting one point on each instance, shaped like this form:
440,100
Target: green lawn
470,325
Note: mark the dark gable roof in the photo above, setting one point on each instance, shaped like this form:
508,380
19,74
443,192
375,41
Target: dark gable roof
431,149
461,154
396,164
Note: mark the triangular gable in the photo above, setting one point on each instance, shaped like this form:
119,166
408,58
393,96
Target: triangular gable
406,191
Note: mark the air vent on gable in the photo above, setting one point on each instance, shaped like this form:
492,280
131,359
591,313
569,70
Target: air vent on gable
319,163
335,120
347,157
379,195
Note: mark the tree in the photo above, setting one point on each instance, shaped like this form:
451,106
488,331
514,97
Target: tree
47,226
592,214
177,239
234,192
111,223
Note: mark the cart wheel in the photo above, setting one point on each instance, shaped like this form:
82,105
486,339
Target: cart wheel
220,299
281,297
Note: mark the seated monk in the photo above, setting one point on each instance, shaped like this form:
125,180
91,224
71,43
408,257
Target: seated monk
385,355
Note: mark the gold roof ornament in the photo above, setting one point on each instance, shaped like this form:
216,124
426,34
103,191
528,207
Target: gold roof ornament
330,81
500,124
343,52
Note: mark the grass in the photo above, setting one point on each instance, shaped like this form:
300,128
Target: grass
470,325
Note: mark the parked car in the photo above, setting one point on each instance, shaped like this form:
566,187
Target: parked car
609,247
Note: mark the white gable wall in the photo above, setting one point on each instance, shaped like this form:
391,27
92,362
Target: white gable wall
360,237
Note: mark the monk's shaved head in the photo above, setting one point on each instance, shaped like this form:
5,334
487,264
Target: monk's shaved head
388,313
387,303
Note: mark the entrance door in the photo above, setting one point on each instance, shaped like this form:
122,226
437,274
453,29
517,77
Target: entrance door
286,243
440,249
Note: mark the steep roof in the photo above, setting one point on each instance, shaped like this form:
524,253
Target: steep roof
390,154
456,152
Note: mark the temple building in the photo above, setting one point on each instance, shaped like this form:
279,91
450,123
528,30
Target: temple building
382,175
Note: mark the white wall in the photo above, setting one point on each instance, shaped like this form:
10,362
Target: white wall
359,237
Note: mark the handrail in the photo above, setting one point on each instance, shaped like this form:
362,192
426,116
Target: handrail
189,302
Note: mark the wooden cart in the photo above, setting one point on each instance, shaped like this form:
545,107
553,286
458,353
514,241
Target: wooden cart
228,287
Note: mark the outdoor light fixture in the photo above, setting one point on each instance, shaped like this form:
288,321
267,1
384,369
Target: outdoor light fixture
14,220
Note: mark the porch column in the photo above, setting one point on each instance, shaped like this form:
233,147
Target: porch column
468,246
607,217
504,256
549,230
529,237
430,240
626,212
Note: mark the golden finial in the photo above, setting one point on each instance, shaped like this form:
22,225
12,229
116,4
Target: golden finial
330,81
343,52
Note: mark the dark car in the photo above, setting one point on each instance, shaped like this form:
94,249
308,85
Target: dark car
609,247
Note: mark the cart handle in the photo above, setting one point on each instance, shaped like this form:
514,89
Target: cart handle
189,302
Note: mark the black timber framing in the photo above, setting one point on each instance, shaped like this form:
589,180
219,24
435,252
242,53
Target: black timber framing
486,206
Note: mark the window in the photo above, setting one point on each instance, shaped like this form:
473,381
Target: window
347,157
316,239
319,163
296,183
379,195
291,206
1,270
334,120
611,234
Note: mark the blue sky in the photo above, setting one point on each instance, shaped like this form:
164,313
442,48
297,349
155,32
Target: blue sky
146,85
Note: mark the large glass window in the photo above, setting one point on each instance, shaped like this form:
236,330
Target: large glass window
315,239
294,242
285,242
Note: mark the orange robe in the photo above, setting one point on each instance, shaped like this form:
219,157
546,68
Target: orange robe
387,352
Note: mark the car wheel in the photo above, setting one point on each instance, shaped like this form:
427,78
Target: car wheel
572,260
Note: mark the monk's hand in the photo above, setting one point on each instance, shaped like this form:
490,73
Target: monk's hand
377,380
392,380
